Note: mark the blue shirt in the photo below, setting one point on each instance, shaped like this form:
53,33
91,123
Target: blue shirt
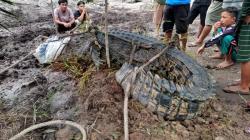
177,2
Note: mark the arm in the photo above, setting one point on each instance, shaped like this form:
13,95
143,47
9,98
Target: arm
72,19
81,17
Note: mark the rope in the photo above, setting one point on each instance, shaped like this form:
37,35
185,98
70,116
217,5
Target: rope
33,127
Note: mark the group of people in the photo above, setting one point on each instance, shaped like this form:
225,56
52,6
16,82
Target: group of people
228,19
65,19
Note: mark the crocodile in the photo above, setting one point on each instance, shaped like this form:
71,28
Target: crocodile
173,86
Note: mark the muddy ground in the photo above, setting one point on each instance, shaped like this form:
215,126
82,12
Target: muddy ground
32,93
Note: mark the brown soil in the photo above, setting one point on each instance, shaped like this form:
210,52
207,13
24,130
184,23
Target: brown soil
98,103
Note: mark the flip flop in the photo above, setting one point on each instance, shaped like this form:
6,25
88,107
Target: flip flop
228,90
235,84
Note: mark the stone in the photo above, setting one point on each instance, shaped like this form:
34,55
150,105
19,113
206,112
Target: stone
64,134
186,123
191,128
219,138
185,134
214,116
137,136
201,120
217,107
60,101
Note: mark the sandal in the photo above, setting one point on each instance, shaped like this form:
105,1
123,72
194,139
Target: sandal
235,84
235,91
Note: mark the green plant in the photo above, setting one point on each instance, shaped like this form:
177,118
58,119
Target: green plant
85,77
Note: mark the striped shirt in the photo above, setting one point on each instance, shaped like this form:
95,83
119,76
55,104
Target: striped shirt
232,3
244,36
245,8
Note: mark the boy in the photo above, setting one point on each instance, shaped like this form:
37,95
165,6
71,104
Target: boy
224,37
63,17
81,14
81,18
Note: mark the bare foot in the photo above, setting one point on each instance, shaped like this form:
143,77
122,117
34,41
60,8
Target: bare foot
224,64
216,56
216,50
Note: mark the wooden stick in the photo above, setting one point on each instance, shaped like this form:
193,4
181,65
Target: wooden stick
106,33
33,127
13,65
153,58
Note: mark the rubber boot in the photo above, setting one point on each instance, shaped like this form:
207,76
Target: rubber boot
183,41
167,38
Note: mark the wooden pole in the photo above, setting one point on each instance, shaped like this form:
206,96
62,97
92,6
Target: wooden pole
106,33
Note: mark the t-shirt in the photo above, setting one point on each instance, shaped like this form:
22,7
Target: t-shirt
78,14
202,2
66,16
232,3
177,2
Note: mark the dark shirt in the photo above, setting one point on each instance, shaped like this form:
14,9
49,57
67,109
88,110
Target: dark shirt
78,14
202,2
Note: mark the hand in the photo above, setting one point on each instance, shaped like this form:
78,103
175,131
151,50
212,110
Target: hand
65,24
200,50
217,25
69,25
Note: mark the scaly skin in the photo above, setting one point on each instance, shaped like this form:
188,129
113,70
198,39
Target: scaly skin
175,86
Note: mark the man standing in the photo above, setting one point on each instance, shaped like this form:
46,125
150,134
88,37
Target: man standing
199,7
244,52
176,13
63,17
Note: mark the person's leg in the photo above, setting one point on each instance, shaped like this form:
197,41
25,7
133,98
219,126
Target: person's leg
203,13
61,29
181,22
157,18
212,16
227,50
168,22
226,63
243,57
245,76
201,27
205,32
193,13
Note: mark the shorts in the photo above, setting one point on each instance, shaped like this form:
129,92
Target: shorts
62,29
197,9
178,15
213,13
